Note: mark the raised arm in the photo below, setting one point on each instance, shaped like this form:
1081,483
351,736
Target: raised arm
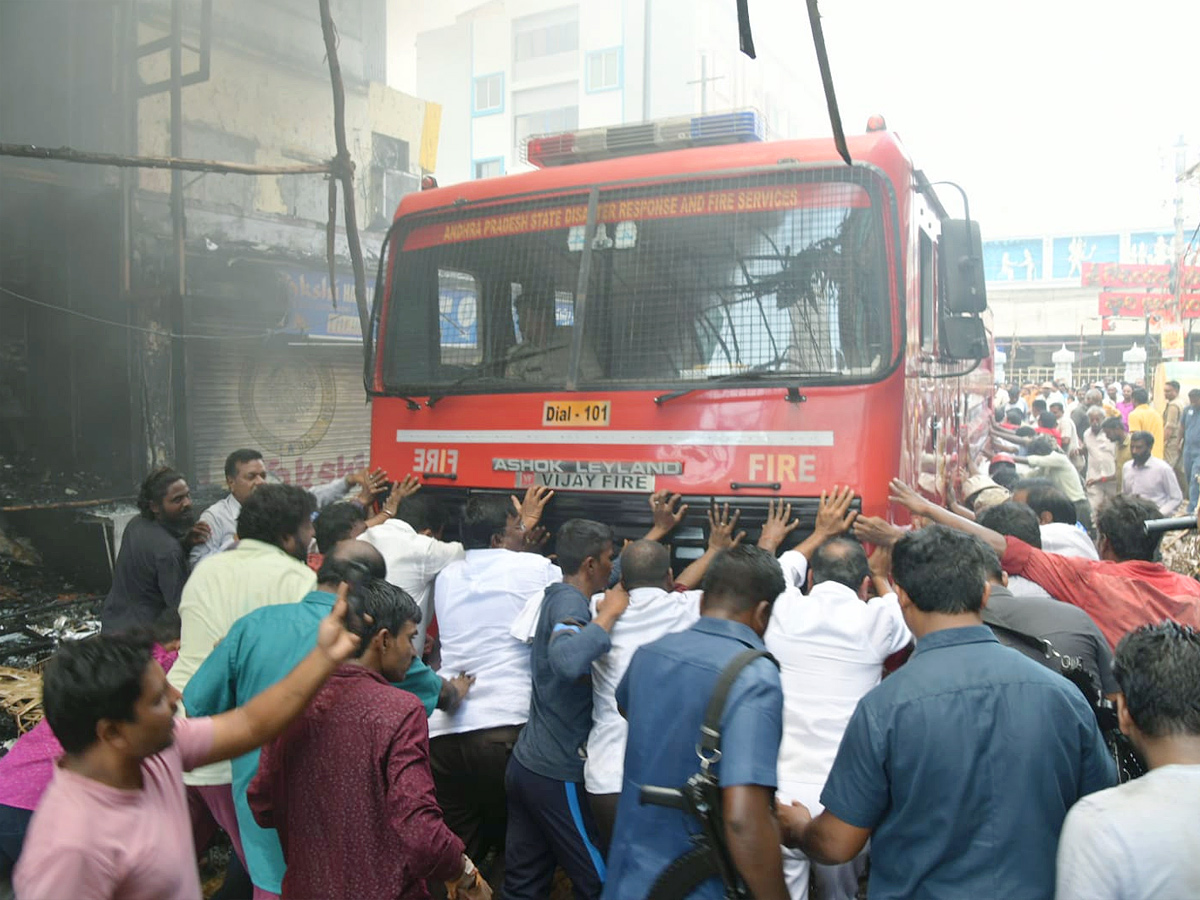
902,495
778,526
720,537
263,718
575,642
406,487
834,517
667,513
523,531
1010,437
533,505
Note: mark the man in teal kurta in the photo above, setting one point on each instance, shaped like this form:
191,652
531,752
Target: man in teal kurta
260,649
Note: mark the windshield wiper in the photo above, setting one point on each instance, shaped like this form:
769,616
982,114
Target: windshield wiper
474,374
484,377
762,370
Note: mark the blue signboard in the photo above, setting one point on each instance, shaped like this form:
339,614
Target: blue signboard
310,306
457,313
1151,248
1070,253
1019,260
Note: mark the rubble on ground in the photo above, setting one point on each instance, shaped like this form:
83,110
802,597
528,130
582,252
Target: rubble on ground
26,480
1180,552
38,609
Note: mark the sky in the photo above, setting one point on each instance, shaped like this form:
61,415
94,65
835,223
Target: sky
1056,116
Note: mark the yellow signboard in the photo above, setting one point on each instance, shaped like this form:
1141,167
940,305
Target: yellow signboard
575,414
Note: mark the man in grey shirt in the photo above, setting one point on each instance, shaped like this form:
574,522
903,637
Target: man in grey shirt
1068,629
1148,476
1140,841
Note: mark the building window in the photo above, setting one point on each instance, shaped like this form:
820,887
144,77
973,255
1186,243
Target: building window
546,34
604,70
488,94
547,121
489,168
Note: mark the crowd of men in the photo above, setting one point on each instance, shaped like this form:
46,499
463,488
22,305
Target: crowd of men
1110,434
963,706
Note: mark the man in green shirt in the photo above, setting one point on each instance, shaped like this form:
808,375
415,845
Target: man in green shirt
260,649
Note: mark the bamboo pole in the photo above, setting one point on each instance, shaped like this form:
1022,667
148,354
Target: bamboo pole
343,169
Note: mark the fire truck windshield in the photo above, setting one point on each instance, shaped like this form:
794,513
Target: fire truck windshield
780,277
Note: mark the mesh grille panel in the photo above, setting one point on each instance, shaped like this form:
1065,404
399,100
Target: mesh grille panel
772,278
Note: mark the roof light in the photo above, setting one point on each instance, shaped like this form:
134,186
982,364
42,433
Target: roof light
428,182
644,137
876,123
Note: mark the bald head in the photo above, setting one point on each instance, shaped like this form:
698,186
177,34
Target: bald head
645,564
336,566
841,560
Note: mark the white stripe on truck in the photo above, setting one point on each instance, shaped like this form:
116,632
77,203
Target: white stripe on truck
638,438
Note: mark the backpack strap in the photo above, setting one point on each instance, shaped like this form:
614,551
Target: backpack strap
709,748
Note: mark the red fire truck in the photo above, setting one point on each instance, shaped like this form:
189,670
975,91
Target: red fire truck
681,305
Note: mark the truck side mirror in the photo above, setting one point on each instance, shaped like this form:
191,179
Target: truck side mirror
963,337
960,265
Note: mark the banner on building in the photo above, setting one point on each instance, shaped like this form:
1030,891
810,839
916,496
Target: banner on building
1117,275
1132,305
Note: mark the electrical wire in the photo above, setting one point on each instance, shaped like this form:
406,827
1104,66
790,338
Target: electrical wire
154,331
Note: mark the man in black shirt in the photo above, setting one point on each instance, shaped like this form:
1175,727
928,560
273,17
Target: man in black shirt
152,563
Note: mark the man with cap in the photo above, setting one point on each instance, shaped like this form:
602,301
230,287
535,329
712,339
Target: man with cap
981,492
1051,394
1003,470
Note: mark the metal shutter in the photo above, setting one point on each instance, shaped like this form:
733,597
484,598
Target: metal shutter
302,406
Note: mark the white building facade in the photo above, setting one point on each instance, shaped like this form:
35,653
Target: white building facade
503,71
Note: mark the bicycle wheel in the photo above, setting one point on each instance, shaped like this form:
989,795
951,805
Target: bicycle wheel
684,875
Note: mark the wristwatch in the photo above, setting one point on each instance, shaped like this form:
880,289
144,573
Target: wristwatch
468,881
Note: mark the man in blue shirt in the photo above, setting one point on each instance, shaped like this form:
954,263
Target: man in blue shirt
961,766
549,819
1191,447
664,695
258,651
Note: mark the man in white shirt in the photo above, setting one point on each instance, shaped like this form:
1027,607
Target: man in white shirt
831,646
266,567
1071,444
412,546
476,600
658,605
1101,459
245,471
1139,841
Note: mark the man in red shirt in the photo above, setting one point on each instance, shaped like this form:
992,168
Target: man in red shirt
349,788
1123,590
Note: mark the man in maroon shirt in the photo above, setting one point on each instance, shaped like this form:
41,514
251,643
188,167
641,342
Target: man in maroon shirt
1123,590
349,788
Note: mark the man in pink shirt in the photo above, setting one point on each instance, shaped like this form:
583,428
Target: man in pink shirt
114,822
28,767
